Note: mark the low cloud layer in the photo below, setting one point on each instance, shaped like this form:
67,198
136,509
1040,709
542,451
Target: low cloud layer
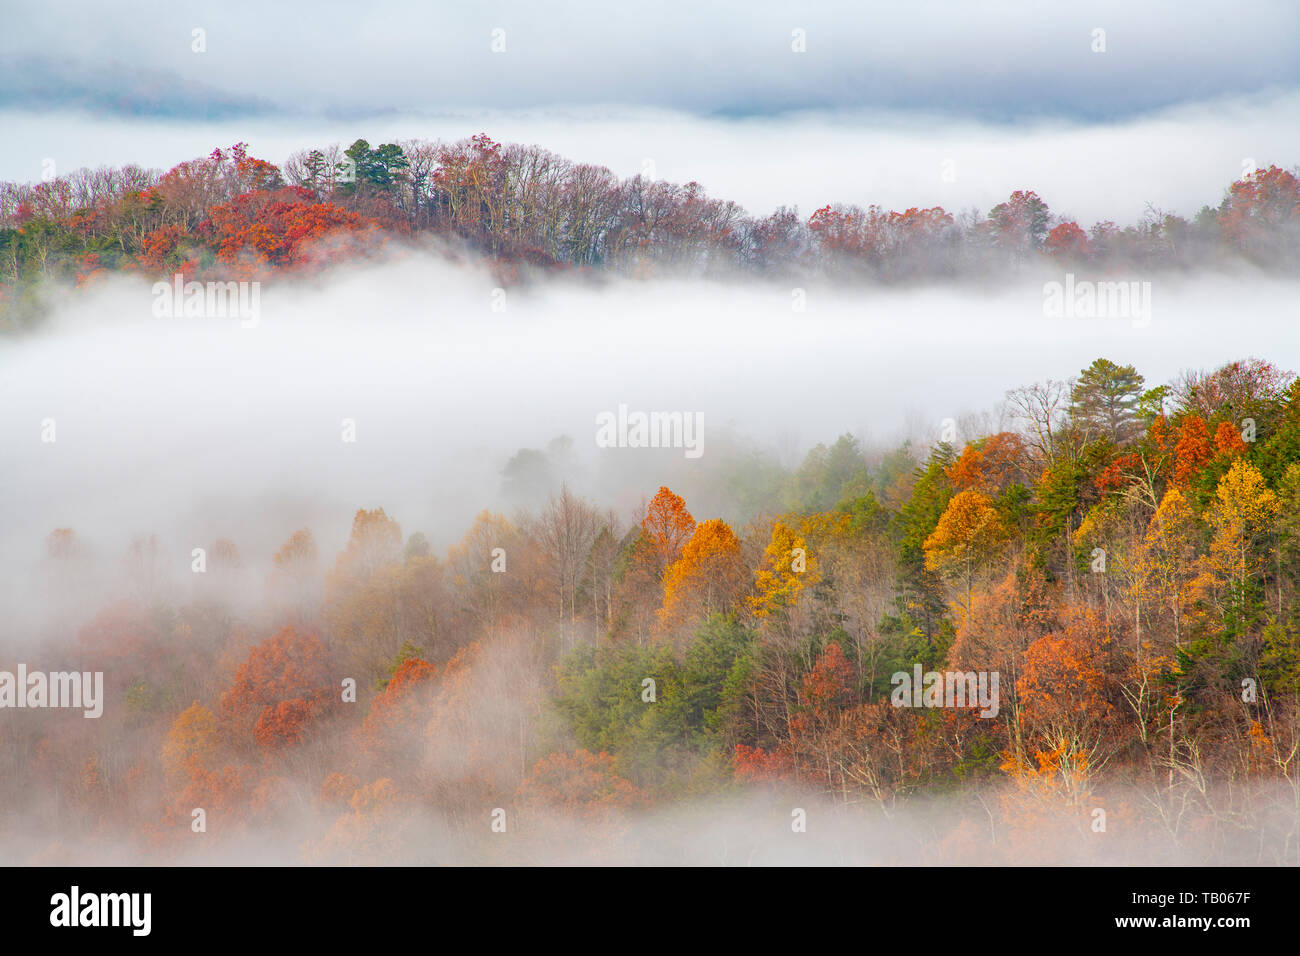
198,428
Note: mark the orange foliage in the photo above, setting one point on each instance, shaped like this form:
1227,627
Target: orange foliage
1228,441
276,228
707,577
289,667
284,723
396,712
1068,241
191,743
668,526
1115,474
1064,675
376,541
1193,450
337,788
990,465
375,828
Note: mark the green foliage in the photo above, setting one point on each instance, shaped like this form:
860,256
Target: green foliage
139,699
658,745
1280,447
1279,661
828,475
866,514
753,481
417,546
1106,401
920,590
370,170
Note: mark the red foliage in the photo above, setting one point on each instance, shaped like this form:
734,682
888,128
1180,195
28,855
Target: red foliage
757,764
401,707
1115,474
1068,242
1259,204
290,669
276,227
824,691
284,724
874,235
158,248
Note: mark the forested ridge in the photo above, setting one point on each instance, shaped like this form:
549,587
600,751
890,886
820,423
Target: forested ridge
1125,557
523,209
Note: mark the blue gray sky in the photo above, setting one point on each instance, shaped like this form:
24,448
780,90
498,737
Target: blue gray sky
924,103
996,60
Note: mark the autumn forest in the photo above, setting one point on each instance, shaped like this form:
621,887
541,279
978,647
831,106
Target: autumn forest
526,211
1108,570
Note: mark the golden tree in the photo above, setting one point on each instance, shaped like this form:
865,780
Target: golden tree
787,569
968,532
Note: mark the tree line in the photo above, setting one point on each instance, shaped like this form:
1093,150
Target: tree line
231,215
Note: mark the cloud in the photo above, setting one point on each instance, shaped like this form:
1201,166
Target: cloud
994,61
195,429
37,84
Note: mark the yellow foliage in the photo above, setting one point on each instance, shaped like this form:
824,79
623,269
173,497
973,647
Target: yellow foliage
786,570
191,743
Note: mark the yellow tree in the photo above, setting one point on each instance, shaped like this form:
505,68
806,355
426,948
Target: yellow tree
401,603
191,743
297,557
484,568
968,531
1169,556
1242,512
376,541
1116,525
786,570
293,578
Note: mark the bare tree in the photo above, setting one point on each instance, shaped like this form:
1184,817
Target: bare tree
1041,410
565,531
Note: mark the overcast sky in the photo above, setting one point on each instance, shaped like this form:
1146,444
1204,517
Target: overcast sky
919,104
994,60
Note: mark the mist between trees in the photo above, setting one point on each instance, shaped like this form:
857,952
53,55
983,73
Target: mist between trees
575,682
